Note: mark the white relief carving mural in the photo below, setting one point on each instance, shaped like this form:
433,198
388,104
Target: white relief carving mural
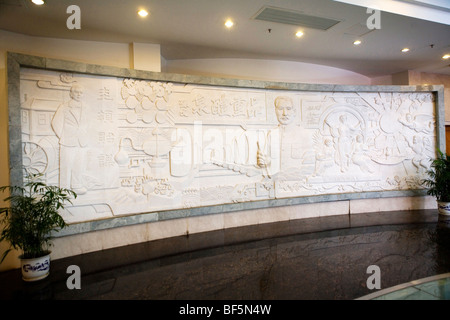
129,146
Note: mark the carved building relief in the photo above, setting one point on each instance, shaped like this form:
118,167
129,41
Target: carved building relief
129,146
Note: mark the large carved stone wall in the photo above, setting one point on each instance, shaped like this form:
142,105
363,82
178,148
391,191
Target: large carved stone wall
130,146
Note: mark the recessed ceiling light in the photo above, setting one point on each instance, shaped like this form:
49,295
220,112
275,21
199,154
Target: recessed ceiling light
298,34
143,13
38,2
357,42
229,23
446,56
405,49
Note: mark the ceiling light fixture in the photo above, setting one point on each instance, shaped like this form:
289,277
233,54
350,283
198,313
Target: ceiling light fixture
229,23
299,34
38,2
405,49
357,42
446,56
143,13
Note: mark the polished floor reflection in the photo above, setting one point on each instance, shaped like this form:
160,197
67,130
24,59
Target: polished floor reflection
319,258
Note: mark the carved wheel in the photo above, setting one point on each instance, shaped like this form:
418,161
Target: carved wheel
34,158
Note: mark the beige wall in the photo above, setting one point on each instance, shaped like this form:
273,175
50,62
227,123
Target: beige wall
266,70
103,53
147,56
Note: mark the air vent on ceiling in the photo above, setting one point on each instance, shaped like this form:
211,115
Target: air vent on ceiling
294,18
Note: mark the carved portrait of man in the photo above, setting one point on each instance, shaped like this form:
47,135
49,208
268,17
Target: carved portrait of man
282,155
69,125
285,111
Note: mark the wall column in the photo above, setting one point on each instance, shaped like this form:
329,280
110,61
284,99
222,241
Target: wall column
145,56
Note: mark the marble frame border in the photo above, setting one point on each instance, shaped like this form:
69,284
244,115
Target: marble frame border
15,61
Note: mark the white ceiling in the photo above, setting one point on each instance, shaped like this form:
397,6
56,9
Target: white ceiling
194,29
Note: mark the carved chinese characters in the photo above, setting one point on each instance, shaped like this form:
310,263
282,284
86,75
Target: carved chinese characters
129,146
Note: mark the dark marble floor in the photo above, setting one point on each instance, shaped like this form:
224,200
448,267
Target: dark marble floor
311,259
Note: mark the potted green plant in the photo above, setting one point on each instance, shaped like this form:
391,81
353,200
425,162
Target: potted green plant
29,222
438,182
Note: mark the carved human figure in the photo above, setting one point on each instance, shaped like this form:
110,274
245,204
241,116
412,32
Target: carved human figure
412,123
325,158
359,155
396,182
282,154
419,124
379,101
419,149
344,134
69,125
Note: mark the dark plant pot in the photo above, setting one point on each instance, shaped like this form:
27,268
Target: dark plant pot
34,269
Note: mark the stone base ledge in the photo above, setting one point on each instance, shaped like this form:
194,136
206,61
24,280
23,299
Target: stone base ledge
121,236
